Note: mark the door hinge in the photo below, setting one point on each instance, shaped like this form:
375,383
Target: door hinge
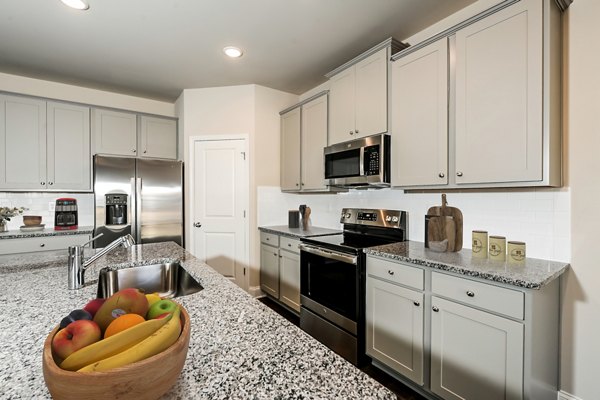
243,154
244,271
244,213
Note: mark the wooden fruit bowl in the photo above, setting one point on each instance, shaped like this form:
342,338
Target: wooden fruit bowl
143,380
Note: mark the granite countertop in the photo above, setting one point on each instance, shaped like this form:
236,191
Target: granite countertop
298,233
534,274
239,348
17,234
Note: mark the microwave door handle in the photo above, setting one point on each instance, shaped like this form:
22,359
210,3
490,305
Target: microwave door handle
362,161
329,254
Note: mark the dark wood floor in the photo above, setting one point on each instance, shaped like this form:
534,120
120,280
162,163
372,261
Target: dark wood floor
402,391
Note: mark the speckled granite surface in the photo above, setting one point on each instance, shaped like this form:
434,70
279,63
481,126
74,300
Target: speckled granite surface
239,348
298,233
533,275
16,234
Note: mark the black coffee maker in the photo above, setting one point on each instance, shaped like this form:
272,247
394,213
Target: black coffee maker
65,214
116,209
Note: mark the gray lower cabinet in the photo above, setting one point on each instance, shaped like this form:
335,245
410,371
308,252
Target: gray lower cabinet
468,338
43,243
280,269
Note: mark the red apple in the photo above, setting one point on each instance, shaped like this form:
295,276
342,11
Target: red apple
75,336
94,305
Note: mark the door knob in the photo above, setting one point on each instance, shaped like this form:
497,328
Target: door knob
197,224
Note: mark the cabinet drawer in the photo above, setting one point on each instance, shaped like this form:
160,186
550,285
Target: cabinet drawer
396,272
493,298
269,238
44,243
289,244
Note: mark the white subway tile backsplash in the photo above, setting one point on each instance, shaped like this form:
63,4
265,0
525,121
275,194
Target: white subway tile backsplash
37,204
541,218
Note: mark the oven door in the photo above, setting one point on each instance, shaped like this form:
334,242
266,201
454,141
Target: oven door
329,285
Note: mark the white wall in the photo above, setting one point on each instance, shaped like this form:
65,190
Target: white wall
79,94
247,109
580,345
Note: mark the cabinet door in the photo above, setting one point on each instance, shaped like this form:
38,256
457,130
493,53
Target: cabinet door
289,279
342,106
290,150
420,117
69,160
395,327
314,140
158,137
42,243
474,354
269,270
114,132
22,143
499,97
371,106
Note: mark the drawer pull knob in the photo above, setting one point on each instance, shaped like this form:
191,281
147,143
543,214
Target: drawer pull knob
416,303
390,272
441,175
275,254
268,239
42,245
289,245
434,308
470,294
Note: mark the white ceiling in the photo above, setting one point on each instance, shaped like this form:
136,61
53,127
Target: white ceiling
156,48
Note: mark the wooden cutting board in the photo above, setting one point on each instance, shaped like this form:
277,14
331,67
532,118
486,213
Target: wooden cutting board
457,219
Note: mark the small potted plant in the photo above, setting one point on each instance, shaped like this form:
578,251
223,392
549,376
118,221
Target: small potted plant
6,213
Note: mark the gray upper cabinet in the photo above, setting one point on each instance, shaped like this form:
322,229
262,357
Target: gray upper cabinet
127,134
114,132
503,96
303,138
420,117
359,94
45,145
290,150
69,155
158,137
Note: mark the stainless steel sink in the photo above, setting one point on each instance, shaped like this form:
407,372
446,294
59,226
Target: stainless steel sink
167,279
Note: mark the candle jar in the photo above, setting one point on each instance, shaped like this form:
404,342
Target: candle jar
516,252
497,248
479,244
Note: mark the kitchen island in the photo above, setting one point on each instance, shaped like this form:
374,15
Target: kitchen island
239,348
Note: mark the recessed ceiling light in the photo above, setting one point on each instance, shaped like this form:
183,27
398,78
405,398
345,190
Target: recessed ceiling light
76,4
233,52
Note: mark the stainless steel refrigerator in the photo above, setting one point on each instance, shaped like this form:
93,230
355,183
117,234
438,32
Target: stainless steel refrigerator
137,196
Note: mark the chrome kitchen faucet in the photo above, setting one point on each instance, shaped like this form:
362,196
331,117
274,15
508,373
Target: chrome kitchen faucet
77,265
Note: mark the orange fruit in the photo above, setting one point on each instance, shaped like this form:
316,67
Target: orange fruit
123,322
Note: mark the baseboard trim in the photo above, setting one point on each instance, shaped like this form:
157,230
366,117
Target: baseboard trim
562,395
255,291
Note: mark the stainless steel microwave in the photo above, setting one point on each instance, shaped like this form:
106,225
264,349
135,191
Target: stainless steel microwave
360,163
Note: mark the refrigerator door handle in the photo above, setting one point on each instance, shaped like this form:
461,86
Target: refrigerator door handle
133,209
138,210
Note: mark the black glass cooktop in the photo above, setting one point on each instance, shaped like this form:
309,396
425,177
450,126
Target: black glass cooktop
349,242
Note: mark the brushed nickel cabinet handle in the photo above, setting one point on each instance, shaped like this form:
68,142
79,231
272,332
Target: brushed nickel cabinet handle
459,173
441,175
434,308
390,272
416,303
470,293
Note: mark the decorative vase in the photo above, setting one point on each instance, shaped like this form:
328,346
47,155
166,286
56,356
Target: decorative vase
3,226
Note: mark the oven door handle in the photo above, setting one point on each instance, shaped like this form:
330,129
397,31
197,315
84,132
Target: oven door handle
329,254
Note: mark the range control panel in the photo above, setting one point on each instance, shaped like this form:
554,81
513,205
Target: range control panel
384,218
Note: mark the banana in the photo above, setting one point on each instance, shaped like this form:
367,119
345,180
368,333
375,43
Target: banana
112,345
160,340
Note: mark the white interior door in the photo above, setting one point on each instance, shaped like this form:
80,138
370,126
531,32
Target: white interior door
219,206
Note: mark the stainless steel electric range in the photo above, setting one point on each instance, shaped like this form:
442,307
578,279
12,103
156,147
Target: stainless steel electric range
333,278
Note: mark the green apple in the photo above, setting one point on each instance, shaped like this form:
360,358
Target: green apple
161,307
